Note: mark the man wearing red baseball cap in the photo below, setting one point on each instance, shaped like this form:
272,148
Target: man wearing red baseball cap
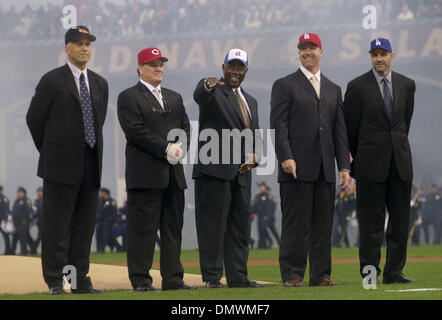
155,178
310,133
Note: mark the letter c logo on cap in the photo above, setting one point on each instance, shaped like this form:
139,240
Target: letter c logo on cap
155,52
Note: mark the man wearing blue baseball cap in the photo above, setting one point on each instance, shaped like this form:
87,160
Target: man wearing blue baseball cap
378,109
222,188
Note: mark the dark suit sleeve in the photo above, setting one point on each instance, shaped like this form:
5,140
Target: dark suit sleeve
136,132
340,137
352,113
105,97
38,110
410,105
279,120
201,96
185,124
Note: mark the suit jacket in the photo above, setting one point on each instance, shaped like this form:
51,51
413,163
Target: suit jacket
308,129
373,140
219,110
55,119
146,127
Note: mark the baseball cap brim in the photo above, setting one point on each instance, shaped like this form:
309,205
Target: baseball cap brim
242,61
306,41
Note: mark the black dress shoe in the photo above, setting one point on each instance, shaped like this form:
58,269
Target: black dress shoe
214,284
246,284
181,286
144,288
89,290
398,278
56,290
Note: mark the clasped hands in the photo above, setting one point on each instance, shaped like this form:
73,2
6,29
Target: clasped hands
174,153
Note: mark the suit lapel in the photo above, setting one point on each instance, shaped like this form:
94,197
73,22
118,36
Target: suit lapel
395,87
304,82
70,82
93,92
228,91
253,110
149,97
376,92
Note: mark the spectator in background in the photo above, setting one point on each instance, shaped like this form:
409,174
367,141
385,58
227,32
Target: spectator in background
106,218
4,213
37,219
406,14
431,211
22,215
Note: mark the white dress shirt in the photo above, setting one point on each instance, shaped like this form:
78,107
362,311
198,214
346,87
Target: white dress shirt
309,75
158,96
77,73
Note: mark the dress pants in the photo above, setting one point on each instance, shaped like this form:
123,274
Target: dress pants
371,201
69,213
147,211
223,224
307,222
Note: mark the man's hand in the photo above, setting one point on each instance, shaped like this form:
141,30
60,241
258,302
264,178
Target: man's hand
174,153
289,166
344,179
248,164
212,82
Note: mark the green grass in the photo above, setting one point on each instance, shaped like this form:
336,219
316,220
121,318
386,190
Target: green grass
349,283
271,254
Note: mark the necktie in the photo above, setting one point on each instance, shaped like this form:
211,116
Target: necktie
157,94
387,98
314,82
242,106
88,115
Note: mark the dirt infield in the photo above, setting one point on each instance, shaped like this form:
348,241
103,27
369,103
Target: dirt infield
19,275
273,262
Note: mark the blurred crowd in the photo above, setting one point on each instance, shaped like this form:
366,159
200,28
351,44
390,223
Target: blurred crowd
425,226
132,18
18,216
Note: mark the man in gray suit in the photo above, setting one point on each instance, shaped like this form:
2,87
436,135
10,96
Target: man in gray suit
307,115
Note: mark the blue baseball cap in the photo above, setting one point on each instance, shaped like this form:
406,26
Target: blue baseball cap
380,43
237,54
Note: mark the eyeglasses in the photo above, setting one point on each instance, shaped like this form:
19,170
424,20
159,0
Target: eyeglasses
164,111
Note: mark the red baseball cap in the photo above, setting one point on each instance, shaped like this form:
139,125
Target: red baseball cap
310,37
150,54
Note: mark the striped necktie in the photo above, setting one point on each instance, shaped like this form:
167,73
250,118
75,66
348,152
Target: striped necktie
242,106
388,99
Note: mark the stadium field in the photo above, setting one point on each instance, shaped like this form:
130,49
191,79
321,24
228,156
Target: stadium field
424,265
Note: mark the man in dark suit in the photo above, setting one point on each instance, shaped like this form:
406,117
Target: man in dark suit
378,109
66,118
223,180
307,115
155,179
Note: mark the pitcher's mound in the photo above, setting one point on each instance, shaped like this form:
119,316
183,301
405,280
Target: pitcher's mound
19,275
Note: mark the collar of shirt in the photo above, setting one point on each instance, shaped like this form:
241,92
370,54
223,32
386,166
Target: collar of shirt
308,74
379,81
243,99
77,73
151,87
